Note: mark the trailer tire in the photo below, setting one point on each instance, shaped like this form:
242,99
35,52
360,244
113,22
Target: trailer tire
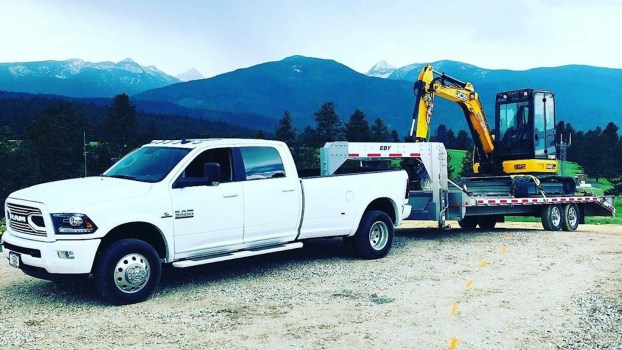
487,222
127,272
468,222
571,217
552,217
374,236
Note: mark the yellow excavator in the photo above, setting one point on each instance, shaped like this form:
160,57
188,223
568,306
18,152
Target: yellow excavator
520,158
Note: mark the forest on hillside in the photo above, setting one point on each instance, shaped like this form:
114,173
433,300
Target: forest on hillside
43,139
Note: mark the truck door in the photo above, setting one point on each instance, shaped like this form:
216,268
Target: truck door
272,197
208,216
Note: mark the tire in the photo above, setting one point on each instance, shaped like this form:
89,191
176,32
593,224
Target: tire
487,222
469,222
128,271
348,244
374,236
571,216
552,217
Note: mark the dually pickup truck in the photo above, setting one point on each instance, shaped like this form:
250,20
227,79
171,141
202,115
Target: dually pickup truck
193,202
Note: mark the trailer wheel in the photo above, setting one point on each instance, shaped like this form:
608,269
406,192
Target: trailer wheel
552,217
127,272
571,217
374,236
487,222
468,222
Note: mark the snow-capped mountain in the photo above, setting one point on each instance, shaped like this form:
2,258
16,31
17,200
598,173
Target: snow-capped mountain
190,74
79,78
462,70
381,69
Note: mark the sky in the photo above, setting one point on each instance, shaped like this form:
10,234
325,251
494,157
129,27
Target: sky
220,36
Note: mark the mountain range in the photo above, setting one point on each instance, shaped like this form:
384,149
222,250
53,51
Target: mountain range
257,96
79,78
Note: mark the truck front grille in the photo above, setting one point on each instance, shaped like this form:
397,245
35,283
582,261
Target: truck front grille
21,219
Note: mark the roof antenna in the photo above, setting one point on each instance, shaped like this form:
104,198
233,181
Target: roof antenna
184,141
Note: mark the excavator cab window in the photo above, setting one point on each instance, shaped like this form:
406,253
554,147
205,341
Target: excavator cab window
525,125
544,125
513,129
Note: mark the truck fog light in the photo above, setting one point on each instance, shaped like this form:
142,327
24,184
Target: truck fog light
65,254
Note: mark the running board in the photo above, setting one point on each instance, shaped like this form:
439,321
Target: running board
237,255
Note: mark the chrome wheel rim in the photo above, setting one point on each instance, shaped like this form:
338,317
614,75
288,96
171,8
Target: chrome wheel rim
378,235
556,216
572,216
132,273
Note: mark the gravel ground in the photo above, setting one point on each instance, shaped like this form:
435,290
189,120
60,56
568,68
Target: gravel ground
514,287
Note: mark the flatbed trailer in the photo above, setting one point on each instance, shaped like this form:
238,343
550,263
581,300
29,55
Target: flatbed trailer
433,196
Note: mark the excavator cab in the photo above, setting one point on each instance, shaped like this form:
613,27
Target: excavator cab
525,132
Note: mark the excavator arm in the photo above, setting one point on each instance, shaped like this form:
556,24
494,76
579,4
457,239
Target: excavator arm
430,84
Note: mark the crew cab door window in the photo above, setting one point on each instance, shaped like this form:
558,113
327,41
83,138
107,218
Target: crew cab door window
272,198
208,216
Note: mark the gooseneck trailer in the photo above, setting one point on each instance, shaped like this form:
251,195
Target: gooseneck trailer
433,196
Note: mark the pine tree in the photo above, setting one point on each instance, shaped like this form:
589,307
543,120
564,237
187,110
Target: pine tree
357,128
57,140
285,131
440,135
119,126
394,136
466,166
379,131
328,125
463,140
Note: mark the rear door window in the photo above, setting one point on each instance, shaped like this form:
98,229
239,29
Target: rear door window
262,163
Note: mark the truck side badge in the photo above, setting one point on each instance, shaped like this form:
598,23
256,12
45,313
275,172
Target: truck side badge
184,214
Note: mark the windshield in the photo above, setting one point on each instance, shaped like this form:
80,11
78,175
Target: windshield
148,164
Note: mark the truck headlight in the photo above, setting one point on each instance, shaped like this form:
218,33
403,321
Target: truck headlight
73,224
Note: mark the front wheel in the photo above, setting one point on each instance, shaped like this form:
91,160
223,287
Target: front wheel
374,237
552,217
127,272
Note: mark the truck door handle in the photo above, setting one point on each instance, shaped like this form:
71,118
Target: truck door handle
288,190
230,195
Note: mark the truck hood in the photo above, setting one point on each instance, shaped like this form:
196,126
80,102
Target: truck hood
71,195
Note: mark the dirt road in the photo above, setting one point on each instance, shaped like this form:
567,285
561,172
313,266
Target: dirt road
514,287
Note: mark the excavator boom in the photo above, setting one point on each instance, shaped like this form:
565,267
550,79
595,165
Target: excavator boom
431,83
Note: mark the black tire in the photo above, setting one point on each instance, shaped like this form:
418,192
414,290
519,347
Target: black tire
374,236
551,216
571,217
131,263
487,222
348,244
469,222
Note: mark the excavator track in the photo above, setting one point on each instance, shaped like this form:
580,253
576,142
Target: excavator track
519,186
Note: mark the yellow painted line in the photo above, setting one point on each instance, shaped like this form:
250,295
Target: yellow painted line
503,249
469,284
484,264
454,309
453,344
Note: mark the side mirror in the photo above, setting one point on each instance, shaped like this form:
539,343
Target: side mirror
211,177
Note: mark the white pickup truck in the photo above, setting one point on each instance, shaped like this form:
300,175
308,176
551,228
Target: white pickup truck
192,202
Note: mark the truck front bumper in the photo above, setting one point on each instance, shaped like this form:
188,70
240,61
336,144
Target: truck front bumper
53,257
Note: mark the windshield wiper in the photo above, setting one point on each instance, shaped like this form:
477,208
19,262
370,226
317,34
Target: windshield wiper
126,177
